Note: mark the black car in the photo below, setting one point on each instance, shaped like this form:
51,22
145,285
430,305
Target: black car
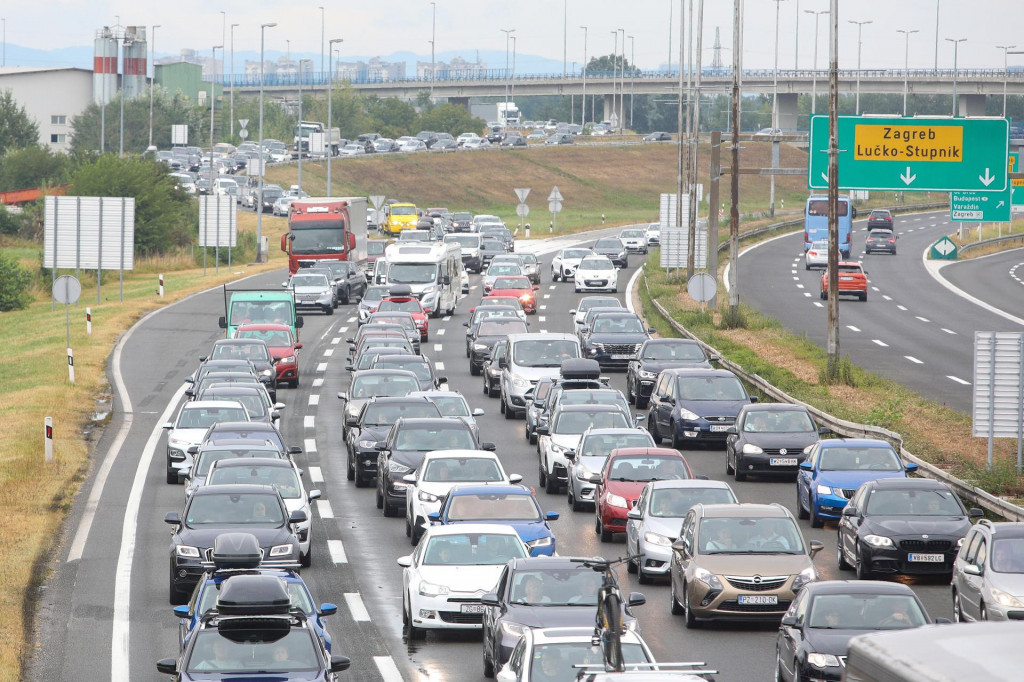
541,592
372,425
880,240
902,525
349,280
656,355
215,509
658,137
495,135
514,139
462,222
614,250
403,450
613,339
770,439
486,335
880,218
271,195
492,370
255,351
428,137
489,248
502,234
816,631
695,405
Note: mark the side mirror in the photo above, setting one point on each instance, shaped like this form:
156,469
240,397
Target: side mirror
849,510
502,363
943,621
298,516
478,412
409,478
465,324
910,467
447,280
327,609
639,418
352,421
298,322
976,513
816,546
680,546
193,449
634,514
168,666
570,455
489,447
651,330
489,599
731,431
222,322
314,494
340,663
788,621
536,288
172,518
637,599
595,479
168,425
543,430
275,415
971,569
295,450
342,395
550,516
515,478
572,312
806,466
380,446
753,398
442,380
579,322
824,431
405,561
279,406
434,517
182,612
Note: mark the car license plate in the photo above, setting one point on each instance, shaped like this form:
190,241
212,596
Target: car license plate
472,608
759,599
782,461
926,558
719,428
621,356
846,279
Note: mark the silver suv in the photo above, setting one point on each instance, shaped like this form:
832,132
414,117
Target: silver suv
988,574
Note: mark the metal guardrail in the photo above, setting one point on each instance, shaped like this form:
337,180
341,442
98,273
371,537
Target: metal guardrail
1007,239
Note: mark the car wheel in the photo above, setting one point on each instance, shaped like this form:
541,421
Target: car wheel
554,277
474,369
576,289
676,443
346,297
501,407
606,535
509,412
350,471
630,395
328,310
380,497
414,632
542,477
778,667
737,474
306,560
982,612
812,512
573,502
390,510
641,402
631,565
675,608
172,476
468,354
800,511
295,382
177,597
864,296
689,620
615,290
488,665
728,464
823,295
807,267
551,483
863,572
642,577
841,561
361,481
408,526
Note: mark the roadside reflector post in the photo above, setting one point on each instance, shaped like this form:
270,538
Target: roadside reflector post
48,438
88,321
71,365
160,290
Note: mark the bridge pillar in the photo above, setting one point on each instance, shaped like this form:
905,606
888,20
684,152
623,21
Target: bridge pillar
788,111
460,101
970,105
609,109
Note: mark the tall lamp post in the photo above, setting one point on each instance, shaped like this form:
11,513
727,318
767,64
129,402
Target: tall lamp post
125,43
309,145
632,78
512,83
213,102
152,81
622,84
433,37
323,28
584,121
615,59
330,118
860,25
231,92
508,35
259,201
956,48
814,67
796,39
938,4
4,21
906,64
775,82
1006,71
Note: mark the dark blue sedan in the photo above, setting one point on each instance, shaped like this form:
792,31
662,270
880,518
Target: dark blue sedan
512,505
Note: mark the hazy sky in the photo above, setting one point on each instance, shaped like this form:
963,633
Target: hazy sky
386,26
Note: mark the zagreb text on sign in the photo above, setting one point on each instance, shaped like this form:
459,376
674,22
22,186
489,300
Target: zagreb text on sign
908,143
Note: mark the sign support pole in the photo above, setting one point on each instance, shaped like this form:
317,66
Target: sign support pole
832,370
716,174
991,397
99,257
1020,403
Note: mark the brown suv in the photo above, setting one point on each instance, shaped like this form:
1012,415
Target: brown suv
739,562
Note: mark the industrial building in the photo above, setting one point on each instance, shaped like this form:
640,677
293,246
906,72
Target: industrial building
51,96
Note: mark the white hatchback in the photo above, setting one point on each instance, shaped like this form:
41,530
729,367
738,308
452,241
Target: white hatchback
596,273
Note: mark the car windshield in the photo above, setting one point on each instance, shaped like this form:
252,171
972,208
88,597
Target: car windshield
386,415
601,445
296,590
596,264
216,655
472,549
462,470
312,280
208,457
648,468
558,662
493,507
272,312
913,503
460,215
389,385
575,423
403,210
375,294
484,313
411,306
511,325
588,303
275,338
421,368
608,244
412,438
528,258
673,351
375,247
819,245
675,502
205,417
282,478
543,352
556,587
491,245
571,254
231,509
607,324
856,269
783,421
503,269
632,234
252,402
851,458
404,321
711,388
512,282
240,351
450,405
412,273
749,535
865,612
467,241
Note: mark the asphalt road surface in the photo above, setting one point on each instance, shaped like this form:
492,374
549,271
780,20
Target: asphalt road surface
104,611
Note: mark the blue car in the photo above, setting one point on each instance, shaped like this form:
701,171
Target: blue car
695,405
834,469
512,505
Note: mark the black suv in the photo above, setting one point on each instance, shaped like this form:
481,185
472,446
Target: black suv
656,355
879,218
880,240
372,425
613,339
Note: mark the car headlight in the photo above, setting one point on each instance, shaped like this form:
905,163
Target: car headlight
657,539
267,373
280,550
520,382
823,660
429,296
687,415
178,443
644,374
479,346
1006,599
583,473
824,490
398,468
514,629
878,541
187,551
751,449
617,501
287,360
708,578
541,542
427,497
432,590
808,575
367,444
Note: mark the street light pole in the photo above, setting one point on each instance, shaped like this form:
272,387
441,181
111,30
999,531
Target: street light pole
860,25
565,35
1006,72
152,81
309,145
125,43
814,67
775,79
937,5
213,102
956,47
259,201
433,62
231,92
508,35
632,78
323,27
832,366
622,85
615,58
4,20
796,39
906,64
330,119
512,83
584,121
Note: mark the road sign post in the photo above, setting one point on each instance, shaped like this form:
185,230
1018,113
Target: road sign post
554,205
916,154
1017,196
522,210
48,438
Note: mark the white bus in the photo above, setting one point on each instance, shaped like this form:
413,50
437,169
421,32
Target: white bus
433,270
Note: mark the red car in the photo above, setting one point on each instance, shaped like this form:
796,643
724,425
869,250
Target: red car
407,304
282,345
853,280
622,479
517,286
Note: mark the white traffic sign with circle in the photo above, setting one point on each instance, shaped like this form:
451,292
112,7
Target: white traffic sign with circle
67,289
554,206
522,210
243,133
702,287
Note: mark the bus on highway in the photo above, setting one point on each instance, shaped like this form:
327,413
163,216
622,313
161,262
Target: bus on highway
816,222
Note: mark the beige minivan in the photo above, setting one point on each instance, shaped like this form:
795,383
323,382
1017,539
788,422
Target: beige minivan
739,562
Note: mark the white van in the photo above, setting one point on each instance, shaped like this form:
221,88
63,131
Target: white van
432,270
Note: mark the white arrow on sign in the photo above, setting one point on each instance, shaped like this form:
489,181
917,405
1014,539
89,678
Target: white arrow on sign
555,194
987,178
907,177
945,247
1000,204
824,176
522,193
244,122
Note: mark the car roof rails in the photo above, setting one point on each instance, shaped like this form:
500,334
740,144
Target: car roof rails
987,522
681,670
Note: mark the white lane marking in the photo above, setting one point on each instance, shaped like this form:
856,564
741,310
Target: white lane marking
807,294
356,607
888,298
903,308
319,381
120,663
316,474
547,295
923,319
341,330
351,319
446,318
543,331
948,331
309,421
309,445
793,272
337,551
796,279
336,340
874,288
387,668
883,344
799,286
913,359
329,352
473,288
542,307
935,270
439,366
322,367
437,348
323,507
958,380
852,328
314,399
552,287
819,304
541,318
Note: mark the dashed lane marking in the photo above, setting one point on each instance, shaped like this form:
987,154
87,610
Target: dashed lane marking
958,380
913,359
446,318
318,382
322,367
552,287
888,298
314,399
437,348
440,332
439,366
799,286
541,318
883,344
351,320
852,328
356,607
309,421
818,304
387,668
329,352
309,445
337,551
902,307
316,474
323,507
336,340
948,331
923,319
547,295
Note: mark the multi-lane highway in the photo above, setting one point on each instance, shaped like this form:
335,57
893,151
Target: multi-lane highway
105,611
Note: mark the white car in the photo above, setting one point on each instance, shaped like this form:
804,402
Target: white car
435,477
282,205
483,218
563,433
413,145
596,273
450,570
551,653
635,240
478,143
653,235
466,137
817,255
565,262
353,150
190,426
282,474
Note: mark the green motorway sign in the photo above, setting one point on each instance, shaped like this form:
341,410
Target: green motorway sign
1018,183
944,249
916,154
981,207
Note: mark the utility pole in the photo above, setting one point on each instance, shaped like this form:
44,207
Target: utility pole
670,2
323,29
330,119
508,34
860,25
956,48
906,64
775,114
734,176
433,37
832,369
213,102
796,39
1006,72
231,93
259,197
309,145
814,67
938,4
632,78
584,121
713,190
679,135
565,35
694,141
152,81
615,58
622,85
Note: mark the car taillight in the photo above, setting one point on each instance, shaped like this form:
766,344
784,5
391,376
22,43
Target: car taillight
892,241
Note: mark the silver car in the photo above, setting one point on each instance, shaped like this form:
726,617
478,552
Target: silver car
817,255
653,524
988,573
312,291
590,456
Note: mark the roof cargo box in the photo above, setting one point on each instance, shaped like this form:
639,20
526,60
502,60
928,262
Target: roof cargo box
580,368
251,595
236,550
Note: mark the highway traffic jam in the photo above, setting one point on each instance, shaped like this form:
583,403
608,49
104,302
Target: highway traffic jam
460,493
